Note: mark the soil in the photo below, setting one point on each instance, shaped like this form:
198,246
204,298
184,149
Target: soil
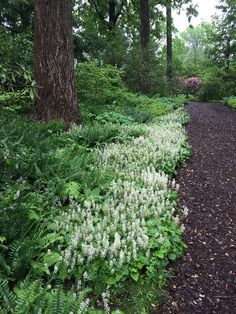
205,279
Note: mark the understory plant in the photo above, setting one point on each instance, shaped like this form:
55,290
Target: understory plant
191,85
231,101
93,208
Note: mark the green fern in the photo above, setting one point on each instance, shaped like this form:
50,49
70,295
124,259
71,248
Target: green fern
57,301
20,257
27,295
4,268
14,252
8,298
51,259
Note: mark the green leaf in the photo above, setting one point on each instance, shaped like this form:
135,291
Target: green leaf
2,239
172,257
111,281
31,93
71,189
7,296
135,276
33,215
17,194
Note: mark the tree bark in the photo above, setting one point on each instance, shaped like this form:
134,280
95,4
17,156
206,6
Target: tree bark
112,14
169,42
54,62
144,44
144,24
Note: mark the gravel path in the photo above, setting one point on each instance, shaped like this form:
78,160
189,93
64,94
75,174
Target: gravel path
206,275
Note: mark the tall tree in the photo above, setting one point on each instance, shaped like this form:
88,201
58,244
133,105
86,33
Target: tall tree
54,62
108,13
191,11
144,43
224,36
144,24
169,42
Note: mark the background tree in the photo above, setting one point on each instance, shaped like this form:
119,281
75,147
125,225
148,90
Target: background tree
54,62
223,35
169,48
108,14
144,44
144,24
169,5
16,16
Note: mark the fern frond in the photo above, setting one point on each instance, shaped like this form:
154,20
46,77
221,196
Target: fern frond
4,268
8,298
27,295
57,301
14,252
51,259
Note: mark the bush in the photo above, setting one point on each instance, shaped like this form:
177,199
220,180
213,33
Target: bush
214,87
99,85
16,101
191,85
16,55
231,101
143,77
114,117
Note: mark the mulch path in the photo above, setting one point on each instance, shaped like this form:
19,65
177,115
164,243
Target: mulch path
205,279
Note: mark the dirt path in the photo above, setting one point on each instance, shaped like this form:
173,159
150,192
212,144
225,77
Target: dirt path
206,276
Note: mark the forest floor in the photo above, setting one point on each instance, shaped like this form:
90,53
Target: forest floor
205,279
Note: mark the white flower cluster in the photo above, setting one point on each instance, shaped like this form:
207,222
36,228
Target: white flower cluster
116,229
160,148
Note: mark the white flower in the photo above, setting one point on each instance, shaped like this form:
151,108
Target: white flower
186,211
85,276
84,306
117,228
55,269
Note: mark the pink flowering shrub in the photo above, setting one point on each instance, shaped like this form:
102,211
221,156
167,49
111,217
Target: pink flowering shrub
192,84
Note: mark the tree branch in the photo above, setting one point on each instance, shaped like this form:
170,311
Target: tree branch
96,7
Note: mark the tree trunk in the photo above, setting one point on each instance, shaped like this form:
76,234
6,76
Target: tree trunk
112,32
144,43
169,40
112,13
144,24
54,62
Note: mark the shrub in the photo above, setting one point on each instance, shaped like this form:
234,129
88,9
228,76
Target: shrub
231,101
16,55
20,101
114,117
214,87
98,85
192,85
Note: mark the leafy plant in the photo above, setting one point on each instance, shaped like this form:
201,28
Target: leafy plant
231,101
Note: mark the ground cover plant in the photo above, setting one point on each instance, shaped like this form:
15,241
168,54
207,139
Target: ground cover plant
231,101
86,211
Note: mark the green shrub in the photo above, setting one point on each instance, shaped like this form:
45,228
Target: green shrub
231,101
17,101
95,134
98,85
214,85
113,117
16,55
